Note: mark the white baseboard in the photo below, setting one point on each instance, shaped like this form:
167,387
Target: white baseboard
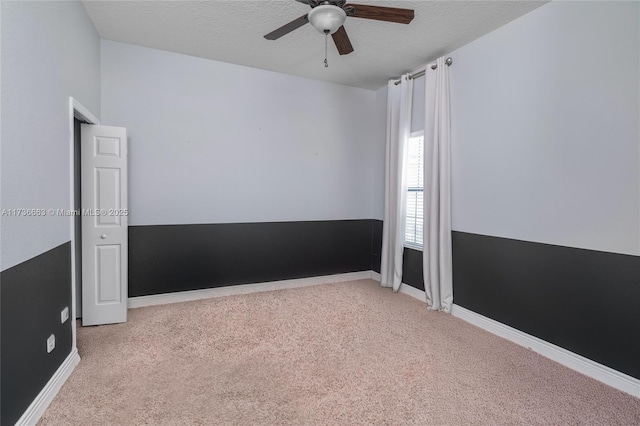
576,362
404,288
37,408
413,292
187,296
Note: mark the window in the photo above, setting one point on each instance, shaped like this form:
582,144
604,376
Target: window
415,191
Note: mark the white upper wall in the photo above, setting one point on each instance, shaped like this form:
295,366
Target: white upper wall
545,128
50,51
211,142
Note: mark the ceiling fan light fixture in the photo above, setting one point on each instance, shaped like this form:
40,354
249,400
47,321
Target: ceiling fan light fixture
327,18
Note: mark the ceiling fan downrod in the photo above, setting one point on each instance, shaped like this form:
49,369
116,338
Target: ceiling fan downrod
326,38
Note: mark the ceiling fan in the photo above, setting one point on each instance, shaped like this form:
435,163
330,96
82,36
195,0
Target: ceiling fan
327,16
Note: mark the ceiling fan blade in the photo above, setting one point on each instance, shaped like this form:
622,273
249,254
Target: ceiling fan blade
341,39
287,28
308,2
379,13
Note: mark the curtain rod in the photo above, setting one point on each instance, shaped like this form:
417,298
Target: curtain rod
447,61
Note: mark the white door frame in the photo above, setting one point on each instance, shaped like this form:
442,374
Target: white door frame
76,110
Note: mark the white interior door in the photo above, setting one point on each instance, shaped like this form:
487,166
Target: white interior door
104,224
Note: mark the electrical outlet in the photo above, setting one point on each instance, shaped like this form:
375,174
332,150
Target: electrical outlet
51,343
64,315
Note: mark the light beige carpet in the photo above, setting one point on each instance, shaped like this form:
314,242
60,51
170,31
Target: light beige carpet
337,354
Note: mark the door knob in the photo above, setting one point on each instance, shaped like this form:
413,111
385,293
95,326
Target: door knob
103,236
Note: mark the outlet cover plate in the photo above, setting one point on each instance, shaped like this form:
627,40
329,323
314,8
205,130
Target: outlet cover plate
51,343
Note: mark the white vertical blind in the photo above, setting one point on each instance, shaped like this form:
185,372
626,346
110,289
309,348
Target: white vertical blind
415,191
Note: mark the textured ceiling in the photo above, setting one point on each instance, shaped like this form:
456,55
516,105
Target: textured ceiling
232,31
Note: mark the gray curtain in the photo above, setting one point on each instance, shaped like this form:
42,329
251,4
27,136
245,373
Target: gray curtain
395,188
438,275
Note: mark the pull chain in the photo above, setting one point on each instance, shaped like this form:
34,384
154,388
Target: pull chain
326,38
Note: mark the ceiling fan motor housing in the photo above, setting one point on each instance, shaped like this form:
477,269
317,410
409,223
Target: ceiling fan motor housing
327,18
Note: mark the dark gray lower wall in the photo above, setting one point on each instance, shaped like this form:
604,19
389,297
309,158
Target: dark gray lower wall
33,295
171,258
376,244
412,272
585,301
